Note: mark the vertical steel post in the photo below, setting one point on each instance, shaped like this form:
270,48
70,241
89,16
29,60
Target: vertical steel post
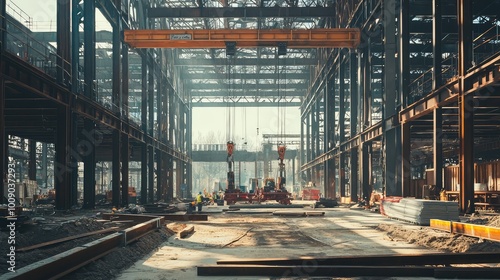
365,167
89,170
144,128
62,170
32,160
116,169
89,48
437,35
438,137
3,27
466,108
342,113
389,97
404,51
405,159
63,41
151,174
125,157
3,142
76,17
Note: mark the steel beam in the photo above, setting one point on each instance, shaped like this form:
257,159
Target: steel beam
144,174
366,171
377,260
125,158
438,138
63,42
404,53
241,12
89,48
244,38
243,61
3,142
437,36
466,107
116,180
405,159
151,175
89,128
309,271
62,167
32,160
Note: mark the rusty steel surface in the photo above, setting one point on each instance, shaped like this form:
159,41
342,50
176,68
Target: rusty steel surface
350,271
314,270
377,260
66,262
479,231
244,38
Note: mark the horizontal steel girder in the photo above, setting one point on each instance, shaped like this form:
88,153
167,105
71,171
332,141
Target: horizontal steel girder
243,12
244,38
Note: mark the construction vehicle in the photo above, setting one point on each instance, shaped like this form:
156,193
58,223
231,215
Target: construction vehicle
269,191
310,192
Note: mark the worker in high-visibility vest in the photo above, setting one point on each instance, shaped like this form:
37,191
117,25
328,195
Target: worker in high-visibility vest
199,201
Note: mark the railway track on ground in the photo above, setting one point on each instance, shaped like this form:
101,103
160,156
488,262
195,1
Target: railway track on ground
66,262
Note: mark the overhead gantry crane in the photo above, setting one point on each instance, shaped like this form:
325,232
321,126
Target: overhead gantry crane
244,38
247,38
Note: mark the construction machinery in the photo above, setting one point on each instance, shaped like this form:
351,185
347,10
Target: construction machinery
268,192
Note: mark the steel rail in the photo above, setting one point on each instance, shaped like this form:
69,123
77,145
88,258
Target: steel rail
64,263
377,260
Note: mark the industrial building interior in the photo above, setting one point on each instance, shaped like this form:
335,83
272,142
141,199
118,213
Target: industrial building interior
396,100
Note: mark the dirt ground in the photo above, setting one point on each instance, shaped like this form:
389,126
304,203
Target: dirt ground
261,235
238,235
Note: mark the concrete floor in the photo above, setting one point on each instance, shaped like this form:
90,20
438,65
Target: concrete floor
231,235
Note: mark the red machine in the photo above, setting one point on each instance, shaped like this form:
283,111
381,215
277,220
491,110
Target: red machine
269,191
310,192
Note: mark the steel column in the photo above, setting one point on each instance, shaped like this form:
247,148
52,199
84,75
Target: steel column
63,41
366,86
308,144
354,94
89,48
144,173
159,154
125,82
151,174
144,128
354,178
159,174
125,157
342,113
391,188
466,107
117,70
366,168
76,18
405,159
437,35
32,160
115,175
88,151
317,147
355,91
62,168
3,142
170,187
438,149
151,88
404,51
389,97
3,27
329,139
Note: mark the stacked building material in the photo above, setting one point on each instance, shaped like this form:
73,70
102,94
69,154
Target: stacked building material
420,211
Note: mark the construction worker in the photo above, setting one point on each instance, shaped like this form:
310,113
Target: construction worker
199,201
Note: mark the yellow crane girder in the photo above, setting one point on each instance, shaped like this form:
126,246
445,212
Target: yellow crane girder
244,38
